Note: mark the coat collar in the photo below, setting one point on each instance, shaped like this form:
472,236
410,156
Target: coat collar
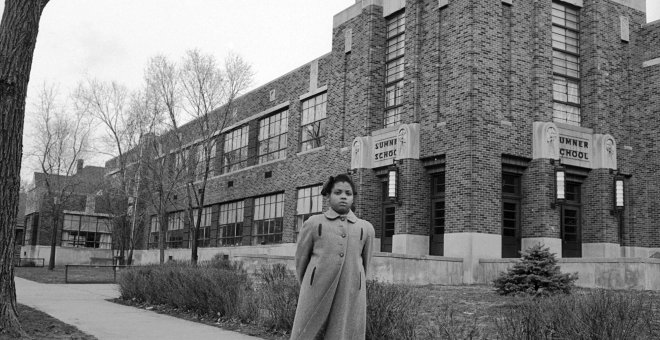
331,215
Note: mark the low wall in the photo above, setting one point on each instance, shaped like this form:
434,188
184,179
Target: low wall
152,256
385,267
612,273
65,255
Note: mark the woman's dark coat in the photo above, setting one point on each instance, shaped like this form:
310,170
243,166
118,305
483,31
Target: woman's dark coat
332,258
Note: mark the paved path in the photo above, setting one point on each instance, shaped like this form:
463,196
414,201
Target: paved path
85,306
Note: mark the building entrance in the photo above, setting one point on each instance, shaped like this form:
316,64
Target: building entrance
387,224
571,221
437,234
511,221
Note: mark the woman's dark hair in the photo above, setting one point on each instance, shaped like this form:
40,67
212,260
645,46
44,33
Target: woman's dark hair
327,187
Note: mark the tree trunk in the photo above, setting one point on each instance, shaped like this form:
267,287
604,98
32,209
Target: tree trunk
129,261
161,237
53,236
193,243
18,36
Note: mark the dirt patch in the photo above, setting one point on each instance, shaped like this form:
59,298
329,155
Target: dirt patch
40,325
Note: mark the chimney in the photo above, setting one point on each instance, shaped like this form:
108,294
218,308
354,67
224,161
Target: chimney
79,166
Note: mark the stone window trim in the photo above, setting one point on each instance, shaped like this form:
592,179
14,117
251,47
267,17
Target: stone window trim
316,92
251,167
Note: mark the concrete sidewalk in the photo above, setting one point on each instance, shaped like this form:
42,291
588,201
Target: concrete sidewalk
85,306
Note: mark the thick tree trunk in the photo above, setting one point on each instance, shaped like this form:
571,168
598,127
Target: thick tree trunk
18,37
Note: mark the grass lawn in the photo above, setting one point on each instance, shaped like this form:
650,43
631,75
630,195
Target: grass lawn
456,312
75,274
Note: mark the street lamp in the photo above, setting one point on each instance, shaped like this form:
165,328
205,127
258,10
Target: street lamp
619,201
560,186
392,178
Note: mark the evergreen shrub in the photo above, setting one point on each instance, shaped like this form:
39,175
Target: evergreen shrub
536,274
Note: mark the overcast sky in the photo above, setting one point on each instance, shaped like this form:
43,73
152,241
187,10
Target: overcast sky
113,39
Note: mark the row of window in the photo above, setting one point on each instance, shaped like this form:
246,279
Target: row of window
86,232
267,217
272,140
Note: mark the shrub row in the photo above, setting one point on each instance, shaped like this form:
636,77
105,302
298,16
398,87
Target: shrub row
593,314
224,290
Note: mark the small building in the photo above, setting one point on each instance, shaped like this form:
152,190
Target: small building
83,228
473,129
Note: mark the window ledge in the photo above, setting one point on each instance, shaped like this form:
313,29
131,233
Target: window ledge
311,150
314,92
241,170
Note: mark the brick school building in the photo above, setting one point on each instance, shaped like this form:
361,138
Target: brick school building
472,128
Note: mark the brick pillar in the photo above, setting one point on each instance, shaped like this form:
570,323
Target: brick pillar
290,202
248,214
600,229
411,233
540,222
368,201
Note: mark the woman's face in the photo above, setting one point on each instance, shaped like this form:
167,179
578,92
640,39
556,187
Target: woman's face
341,197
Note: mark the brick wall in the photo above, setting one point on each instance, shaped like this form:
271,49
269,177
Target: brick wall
478,74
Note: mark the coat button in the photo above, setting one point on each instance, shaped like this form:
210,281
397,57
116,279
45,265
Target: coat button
341,254
343,235
343,218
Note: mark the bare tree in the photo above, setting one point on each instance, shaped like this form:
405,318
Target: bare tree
203,92
108,103
157,107
209,93
62,139
18,35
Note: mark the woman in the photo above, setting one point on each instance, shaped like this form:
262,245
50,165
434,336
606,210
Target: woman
332,258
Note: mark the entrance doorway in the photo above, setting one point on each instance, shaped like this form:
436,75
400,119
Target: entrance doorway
437,232
571,221
511,221
387,224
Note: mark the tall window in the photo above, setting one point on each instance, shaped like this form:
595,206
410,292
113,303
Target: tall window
230,228
86,231
268,212
394,69
201,160
511,221
273,136
437,214
203,239
310,202
566,64
182,161
313,122
175,223
236,150
154,232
